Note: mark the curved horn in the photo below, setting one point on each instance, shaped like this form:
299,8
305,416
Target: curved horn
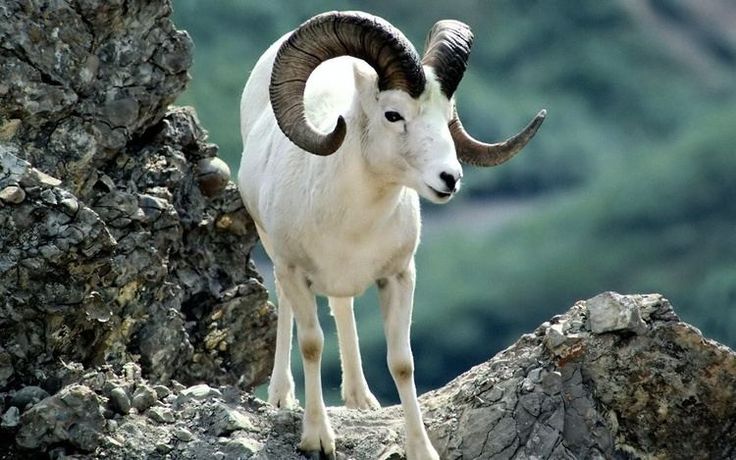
446,50
478,153
327,36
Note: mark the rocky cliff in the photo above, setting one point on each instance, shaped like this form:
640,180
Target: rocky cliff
123,239
132,322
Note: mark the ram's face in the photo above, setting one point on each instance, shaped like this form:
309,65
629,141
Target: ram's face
412,138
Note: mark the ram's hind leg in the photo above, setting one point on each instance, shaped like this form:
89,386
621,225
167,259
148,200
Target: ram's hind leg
355,390
396,295
281,387
317,434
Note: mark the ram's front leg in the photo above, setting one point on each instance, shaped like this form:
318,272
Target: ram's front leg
355,390
317,434
396,294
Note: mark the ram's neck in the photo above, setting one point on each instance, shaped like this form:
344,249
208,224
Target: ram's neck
363,193
358,184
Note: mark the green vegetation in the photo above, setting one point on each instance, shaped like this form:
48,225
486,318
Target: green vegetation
631,179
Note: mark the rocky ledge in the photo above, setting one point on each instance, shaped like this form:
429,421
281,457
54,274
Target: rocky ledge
614,377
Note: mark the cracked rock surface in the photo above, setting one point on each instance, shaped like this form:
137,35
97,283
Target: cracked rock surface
80,78
123,239
654,389
663,391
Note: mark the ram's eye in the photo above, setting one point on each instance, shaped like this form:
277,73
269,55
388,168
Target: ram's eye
393,116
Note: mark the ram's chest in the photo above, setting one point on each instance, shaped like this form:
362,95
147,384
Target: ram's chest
342,235
346,266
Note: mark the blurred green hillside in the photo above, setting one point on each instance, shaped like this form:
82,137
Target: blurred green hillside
629,186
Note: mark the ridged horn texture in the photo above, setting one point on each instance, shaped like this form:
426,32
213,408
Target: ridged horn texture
328,36
446,50
476,153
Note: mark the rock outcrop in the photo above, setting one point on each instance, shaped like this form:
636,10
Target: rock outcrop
123,239
132,322
653,389
614,377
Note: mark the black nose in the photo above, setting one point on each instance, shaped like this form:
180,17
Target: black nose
449,180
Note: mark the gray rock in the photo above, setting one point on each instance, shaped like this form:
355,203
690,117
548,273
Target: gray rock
201,391
554,337
58,84
12,194
213,174
182,434
10,418
120,400
567,413
162,391
177,387
227,419
6,364
163,448
14,170
611,311
241,447
143,398
132,372
73,415
112,426
161,414
28,395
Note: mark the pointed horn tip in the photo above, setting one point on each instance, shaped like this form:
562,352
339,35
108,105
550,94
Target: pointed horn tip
339,132
336,138
537,121
534,125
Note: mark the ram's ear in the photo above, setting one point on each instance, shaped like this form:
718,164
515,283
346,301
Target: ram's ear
366,82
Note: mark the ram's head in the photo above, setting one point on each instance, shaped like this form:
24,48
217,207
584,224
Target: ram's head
407,101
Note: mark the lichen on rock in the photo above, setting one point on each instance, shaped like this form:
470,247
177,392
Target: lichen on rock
112,250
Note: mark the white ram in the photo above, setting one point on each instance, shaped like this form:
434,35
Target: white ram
336,205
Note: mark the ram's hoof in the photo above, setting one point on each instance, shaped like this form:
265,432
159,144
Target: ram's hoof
319,455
